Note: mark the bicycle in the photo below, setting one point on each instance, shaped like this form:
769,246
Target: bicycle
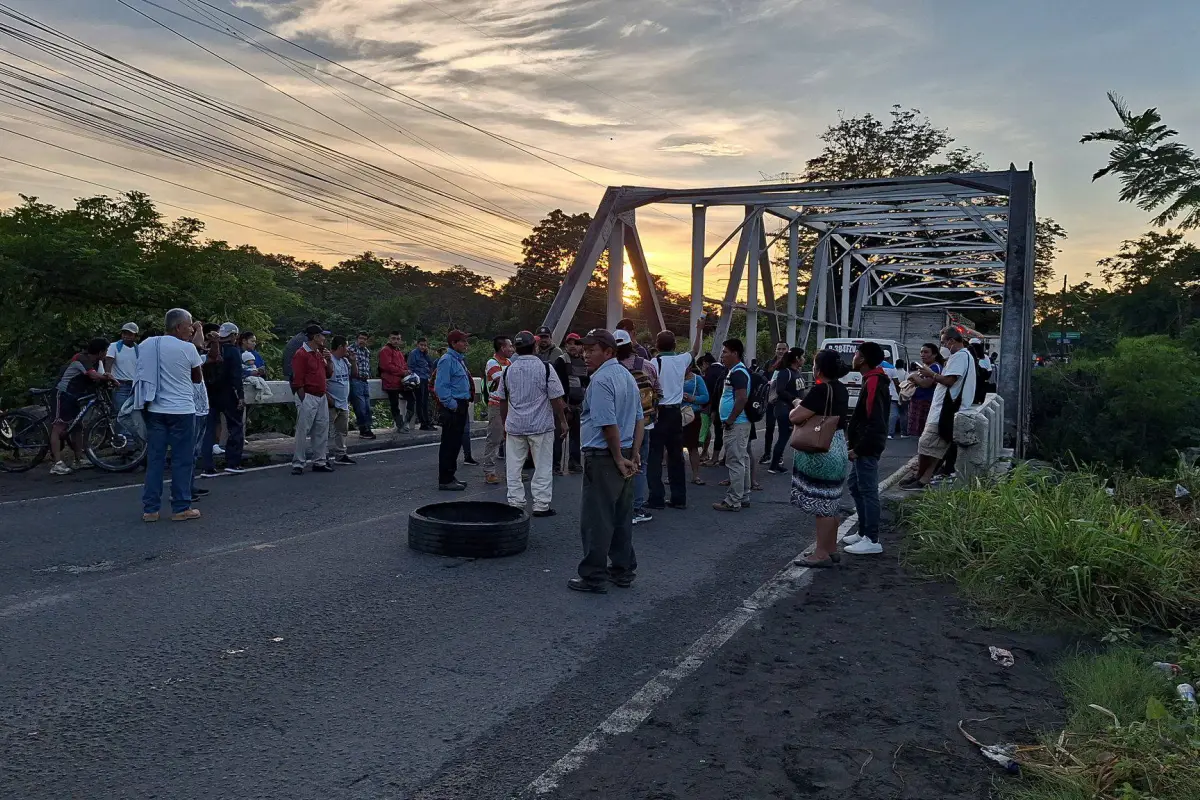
24,441
107,445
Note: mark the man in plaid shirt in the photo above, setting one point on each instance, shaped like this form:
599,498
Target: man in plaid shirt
360,390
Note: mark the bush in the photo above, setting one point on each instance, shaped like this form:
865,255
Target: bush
1136,409
1056,548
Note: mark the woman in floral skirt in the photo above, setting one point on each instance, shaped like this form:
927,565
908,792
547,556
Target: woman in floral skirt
819,478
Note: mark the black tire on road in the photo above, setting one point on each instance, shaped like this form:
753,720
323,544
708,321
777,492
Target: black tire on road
464,529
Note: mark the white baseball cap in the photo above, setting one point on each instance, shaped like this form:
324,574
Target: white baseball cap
622,337
227,329
131,327
975,340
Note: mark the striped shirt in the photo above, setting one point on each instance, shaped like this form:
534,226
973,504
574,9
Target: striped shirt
529,384
495,368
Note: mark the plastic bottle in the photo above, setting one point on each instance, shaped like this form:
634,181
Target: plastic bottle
1186,693
1170,669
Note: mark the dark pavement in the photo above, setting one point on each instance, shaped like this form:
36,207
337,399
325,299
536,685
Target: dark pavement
289,645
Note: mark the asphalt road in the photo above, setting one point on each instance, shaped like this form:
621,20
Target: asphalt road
289,645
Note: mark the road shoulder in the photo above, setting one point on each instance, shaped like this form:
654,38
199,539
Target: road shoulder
852,688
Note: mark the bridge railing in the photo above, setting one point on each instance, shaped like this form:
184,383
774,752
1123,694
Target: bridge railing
979,434
281,392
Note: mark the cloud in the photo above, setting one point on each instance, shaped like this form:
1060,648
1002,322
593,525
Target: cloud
646,26
701,146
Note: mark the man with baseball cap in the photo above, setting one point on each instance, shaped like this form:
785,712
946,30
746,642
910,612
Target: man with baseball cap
455,392
550,353
531,402
121,363
226,399
611,430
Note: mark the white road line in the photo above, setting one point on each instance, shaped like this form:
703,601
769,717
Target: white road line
167,482
634,711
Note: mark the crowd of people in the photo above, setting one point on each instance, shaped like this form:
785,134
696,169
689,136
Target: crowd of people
601,406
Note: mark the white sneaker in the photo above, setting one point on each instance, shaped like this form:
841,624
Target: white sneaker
234,470
218,450
865,547
641,516
853,538
60,468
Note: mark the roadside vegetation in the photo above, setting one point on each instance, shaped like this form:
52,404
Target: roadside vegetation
1118,559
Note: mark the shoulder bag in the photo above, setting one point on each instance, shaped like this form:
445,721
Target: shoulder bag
815,434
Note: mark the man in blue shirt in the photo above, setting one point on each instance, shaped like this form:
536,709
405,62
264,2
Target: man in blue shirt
736,426
420,363
455,392
611,431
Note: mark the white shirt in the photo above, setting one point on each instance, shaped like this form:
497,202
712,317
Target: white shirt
672,368
176,392
125,365
962,365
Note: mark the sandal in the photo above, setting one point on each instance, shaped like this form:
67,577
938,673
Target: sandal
698,481
756,487
725,482
824,563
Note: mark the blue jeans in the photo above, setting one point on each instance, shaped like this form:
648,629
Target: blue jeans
122,393
177,432
235,437
864,488
641,487
360,401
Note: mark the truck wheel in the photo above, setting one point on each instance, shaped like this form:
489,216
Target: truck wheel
469,529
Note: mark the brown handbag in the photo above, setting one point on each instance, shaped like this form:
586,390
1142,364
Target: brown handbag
815,434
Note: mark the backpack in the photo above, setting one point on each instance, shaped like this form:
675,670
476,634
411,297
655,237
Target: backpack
650,395
757,397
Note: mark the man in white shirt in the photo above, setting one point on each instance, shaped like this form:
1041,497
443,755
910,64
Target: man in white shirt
172,371
955,390
121,362
531,403
666,438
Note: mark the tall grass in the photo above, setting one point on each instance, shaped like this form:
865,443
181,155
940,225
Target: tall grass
1055,548
1127,736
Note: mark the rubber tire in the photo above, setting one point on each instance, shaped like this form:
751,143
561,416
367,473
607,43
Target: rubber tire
36,456
96,460
462,540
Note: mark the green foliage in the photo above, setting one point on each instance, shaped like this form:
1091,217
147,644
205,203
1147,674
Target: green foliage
1134,409
1056,549
1154,170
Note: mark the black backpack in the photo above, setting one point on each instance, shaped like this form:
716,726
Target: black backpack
757,397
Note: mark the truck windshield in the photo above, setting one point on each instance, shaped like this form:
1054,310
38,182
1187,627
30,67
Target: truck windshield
847,349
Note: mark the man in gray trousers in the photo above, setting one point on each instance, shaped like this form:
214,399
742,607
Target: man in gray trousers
611,430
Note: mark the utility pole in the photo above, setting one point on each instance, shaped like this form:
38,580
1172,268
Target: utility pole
1062,334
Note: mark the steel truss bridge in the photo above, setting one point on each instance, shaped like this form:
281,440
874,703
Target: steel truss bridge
956,241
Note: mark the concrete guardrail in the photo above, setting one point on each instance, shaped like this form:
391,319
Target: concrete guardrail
281,392
979,434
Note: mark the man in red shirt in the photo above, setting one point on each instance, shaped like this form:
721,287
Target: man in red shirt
393,369
311,367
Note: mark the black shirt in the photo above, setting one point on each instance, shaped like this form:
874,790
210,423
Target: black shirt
785,386
818,401
714,381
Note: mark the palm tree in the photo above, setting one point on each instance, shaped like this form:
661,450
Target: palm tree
1153,170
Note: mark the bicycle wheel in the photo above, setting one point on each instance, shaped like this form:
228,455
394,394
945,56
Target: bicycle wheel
24,441
111,449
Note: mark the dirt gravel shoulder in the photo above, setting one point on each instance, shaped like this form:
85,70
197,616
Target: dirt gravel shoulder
852,688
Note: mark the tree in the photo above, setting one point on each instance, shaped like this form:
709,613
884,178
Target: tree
907,144
910,144
1154,171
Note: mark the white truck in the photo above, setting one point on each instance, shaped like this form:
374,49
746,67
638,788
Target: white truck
900,332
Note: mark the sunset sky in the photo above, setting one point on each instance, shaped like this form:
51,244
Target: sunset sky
656,92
